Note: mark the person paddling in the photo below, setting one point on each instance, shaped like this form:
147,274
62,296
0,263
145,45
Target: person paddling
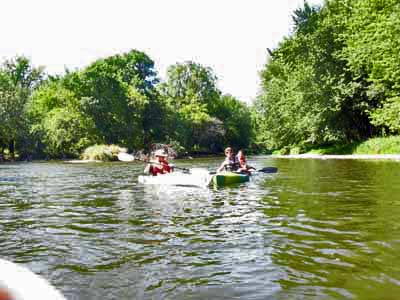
230,163
243,167
160,165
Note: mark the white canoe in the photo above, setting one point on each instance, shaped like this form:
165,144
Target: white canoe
19,283
197,177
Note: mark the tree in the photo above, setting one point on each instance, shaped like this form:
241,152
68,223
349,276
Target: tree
58,123
119,94
372,53
191,95
335,79
17,81
67,132
190,83
237,123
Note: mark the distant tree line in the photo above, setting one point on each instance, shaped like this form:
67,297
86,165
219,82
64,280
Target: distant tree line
336,79
117,100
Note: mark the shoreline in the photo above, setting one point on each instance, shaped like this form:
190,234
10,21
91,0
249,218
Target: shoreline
395,157
392,157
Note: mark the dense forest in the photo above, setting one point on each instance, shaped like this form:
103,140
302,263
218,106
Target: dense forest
116,100
334,80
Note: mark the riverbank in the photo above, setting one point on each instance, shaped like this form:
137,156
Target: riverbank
374,148
345,156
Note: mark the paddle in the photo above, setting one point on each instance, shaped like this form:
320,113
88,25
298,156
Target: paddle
263,170
129,158
125,157
268,170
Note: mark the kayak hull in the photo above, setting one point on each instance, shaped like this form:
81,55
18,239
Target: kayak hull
200,178
228,178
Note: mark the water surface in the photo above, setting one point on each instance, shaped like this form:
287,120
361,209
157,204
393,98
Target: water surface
318,229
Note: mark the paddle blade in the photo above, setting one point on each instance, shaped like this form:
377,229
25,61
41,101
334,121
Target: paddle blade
125,157
268,170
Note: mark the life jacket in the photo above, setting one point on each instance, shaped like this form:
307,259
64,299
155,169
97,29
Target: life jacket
160,168
243,165
231,164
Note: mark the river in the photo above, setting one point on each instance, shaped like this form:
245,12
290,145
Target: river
317,229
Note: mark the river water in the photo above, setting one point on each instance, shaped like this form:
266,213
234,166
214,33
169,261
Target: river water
317,229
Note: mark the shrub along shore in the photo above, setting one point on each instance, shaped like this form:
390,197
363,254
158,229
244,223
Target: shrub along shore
374,146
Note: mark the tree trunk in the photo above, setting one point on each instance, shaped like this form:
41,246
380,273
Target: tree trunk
11,148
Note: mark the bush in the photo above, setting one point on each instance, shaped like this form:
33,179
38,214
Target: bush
102,152
284,151
384,145
295,150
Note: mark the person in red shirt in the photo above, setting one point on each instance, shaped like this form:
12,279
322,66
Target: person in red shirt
5,295
160,165
243,167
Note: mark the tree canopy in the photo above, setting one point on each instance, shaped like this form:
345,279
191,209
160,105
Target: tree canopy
117,100
335,79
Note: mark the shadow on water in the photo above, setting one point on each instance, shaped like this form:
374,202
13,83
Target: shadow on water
314,230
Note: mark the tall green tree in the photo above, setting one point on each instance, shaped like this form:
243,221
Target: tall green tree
236,118
372,53
192,96
190,83
18,78
119,94
59,125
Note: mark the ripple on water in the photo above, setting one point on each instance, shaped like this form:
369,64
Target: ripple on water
314,230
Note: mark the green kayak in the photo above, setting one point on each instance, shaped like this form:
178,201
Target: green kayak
227,178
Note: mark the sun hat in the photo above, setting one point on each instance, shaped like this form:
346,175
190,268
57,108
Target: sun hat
160,152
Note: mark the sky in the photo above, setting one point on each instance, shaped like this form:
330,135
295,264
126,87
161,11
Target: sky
230,36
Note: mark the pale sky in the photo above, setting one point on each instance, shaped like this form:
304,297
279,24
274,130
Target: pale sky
230,36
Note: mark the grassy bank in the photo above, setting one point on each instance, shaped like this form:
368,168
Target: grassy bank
383,145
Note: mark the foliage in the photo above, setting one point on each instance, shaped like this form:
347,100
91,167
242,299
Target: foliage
335,149
67,132
372,52
383,145
58,121
190,94
190,83
199,118
113,100
237,121
336,79
102,152
118,93
17,81
116,100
